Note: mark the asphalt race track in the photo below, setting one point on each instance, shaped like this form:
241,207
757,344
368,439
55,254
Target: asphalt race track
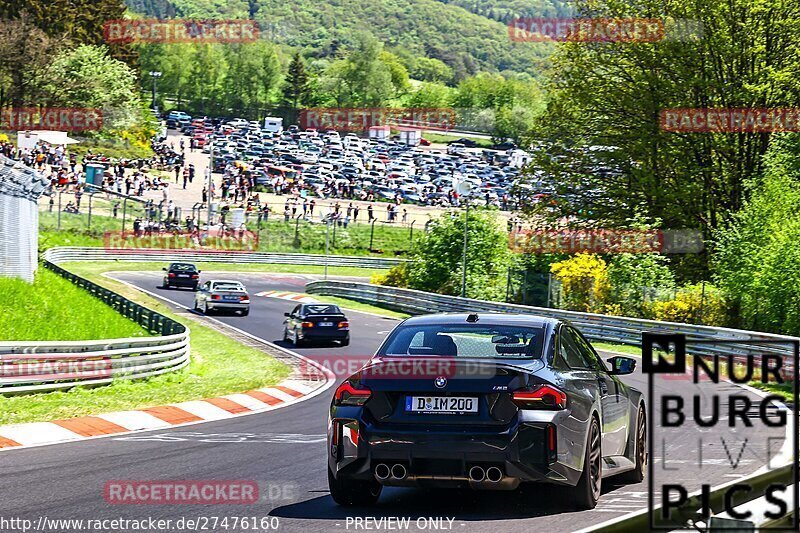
284,452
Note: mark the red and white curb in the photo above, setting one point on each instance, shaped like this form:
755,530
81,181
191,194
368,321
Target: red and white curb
294,296
165,416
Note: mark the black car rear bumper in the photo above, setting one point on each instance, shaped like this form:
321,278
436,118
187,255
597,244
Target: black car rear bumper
324,334
444,458
181,282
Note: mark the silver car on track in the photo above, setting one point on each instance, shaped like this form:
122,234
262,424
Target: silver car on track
222,295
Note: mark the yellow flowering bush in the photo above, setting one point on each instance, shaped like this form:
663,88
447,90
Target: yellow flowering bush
584,281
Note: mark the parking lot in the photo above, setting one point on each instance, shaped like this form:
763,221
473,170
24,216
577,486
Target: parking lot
347,166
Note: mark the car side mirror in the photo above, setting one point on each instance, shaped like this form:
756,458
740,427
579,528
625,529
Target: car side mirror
287,314
621,366
164,269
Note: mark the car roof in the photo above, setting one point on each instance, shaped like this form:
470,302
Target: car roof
225,281
492,319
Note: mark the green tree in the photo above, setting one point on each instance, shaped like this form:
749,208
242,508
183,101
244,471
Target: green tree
757,262
429,95
433,70
87,76
297,87
436,262
361,78
611,95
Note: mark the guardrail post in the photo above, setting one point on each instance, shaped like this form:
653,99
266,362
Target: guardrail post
124,212
91,195
58,225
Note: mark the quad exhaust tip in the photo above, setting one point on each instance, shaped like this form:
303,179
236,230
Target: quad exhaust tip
494,474
382,471
399,471
477,473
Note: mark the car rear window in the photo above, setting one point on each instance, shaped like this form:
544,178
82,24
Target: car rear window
465,340
182,267
228,287
322,309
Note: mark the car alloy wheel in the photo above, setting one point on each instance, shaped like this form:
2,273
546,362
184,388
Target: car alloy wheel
595,462
586,493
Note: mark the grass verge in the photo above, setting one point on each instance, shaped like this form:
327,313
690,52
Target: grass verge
219,366
53,309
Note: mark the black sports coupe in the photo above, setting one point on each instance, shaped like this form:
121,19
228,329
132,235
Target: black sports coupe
485,401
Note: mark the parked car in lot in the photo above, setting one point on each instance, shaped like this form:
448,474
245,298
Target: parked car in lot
318,322
222,295
485,401
181,275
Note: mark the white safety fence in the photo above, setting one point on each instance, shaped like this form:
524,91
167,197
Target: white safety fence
65,254
20,188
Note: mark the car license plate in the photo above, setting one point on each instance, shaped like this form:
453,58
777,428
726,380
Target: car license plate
326,324
441,404
236,298
183,275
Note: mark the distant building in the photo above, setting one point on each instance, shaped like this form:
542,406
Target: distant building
380,133
29,139
410,136
273,124
20,189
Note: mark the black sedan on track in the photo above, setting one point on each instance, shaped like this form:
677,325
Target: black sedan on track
316,322
485,401
181,275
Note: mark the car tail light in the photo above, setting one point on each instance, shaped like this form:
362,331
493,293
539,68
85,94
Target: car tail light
306,324
216,297
171,275
244,298
348,394
540,397
552,445
195,276
344,325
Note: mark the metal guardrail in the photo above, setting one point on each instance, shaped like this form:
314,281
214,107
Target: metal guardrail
41,366
63,254
613,329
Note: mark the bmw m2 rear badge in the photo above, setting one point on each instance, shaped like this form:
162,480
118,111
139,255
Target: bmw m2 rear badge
440,382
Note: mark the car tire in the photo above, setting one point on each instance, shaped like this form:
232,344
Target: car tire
346,341
587,491
353,492
205,308
245,312
640,452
